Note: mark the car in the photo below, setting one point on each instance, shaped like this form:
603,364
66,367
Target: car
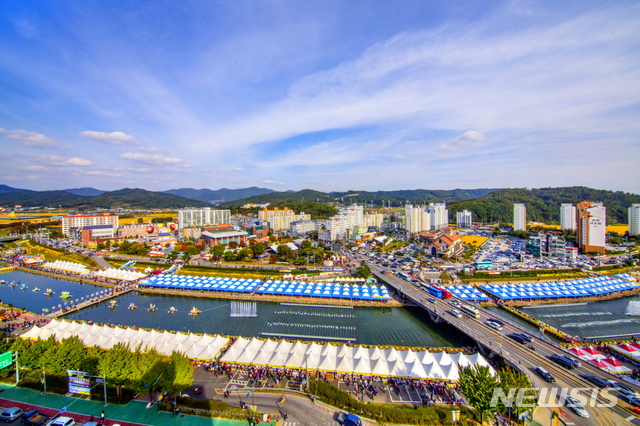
625,390
29,413
525,337
597,380
559,359
545,375
632,401
431,299
63,421
493,325
456,313
572,359
10,414
517,338
576,406
497,321
197,391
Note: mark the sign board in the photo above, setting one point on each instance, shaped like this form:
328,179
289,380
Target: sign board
455,416
63,409
78,382
6,359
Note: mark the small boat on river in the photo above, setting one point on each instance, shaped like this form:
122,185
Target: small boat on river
132,306
49,292
112,304
65,295
152,308
194,311
172,310
35,290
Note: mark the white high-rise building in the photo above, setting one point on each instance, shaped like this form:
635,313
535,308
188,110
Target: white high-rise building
465,219
417,219
373,220
634,219
204,216
439,216
338,227
519,217
567,217
80,220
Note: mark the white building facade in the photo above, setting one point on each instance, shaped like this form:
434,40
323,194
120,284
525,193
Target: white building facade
80,221
373,220
339,227
519,217
439,216
464,219
634,219
188,218
567,217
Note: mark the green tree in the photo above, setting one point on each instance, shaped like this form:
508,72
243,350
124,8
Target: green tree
364,271
477,385
180,373
512,379
258,249
229,256
284,251
217,250
116,365
71,354
140,220
242,254
100,246
305,245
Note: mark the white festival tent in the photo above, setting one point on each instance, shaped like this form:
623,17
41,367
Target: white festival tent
350,359
120,274
63,265
194,346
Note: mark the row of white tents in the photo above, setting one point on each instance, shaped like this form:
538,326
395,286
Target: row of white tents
278,354
120,274
350,359
195,346
64,265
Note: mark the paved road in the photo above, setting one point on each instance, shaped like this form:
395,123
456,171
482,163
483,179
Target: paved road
520,354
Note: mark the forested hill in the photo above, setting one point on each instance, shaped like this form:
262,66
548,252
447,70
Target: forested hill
543,204
287,197
410,196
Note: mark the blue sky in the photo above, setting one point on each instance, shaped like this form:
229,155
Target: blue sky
328,95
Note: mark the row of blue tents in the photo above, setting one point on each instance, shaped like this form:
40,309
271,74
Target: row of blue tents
277,287
468,293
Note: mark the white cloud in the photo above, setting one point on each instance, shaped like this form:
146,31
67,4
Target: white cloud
153,159
36,168
75,161
28,138
470,137
268,181
113,138
56,160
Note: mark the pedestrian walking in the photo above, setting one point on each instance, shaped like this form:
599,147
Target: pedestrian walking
102,416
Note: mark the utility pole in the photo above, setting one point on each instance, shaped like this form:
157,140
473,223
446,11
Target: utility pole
17,369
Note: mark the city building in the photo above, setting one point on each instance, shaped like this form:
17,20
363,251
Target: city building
546,245
212,238
204,216
373,220
80,221
567,217
439,216
634,219
301,228
341,225
417,219
134,230
519,217
280,219
591,226
444,244
464,219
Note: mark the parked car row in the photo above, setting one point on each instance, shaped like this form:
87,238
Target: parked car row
35,418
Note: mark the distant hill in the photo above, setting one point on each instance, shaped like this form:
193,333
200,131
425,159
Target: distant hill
124,198
85,191
543,204
289,197
4,189
219,196
410,196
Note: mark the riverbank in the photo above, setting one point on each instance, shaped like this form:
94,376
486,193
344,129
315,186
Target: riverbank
270,298
571,300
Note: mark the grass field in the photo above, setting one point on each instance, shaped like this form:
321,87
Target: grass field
474,240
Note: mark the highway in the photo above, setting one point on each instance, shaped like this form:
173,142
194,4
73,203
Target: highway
497,342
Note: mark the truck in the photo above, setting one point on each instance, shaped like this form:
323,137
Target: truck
346,419
438,292
36,419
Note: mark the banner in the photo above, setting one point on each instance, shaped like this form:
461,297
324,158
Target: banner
78,382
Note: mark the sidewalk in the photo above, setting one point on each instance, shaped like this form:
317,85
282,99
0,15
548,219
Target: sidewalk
133,414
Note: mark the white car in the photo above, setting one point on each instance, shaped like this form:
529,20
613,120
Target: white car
494,325
456,313
63,421
577,407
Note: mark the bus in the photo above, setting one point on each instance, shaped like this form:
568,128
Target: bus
438,292
469,310
403,276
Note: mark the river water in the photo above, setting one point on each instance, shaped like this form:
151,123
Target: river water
371,326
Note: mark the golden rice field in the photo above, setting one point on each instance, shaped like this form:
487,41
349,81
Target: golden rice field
474,240
620,229
145,219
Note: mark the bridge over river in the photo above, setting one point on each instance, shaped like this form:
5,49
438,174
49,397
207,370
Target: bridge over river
495,343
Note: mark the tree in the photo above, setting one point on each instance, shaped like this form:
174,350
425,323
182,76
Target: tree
477,385
217,250
242,254
100,246
140,220
258,249
229,256
71,354
512,379
284,251
180,373
115,365
305,245
364,271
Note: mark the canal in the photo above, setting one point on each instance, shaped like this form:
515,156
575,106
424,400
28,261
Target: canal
397,326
